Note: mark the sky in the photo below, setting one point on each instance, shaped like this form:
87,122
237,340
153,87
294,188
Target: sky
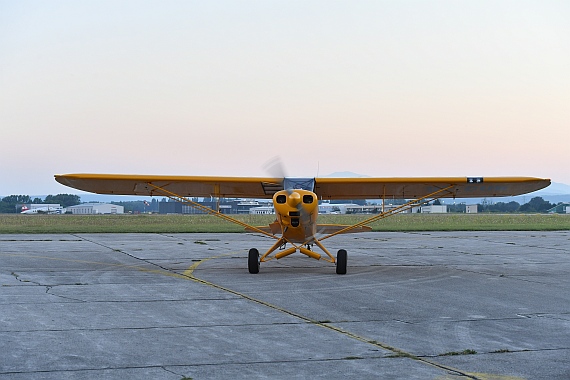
378,88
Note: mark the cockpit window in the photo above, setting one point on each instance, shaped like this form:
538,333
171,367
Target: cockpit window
299,183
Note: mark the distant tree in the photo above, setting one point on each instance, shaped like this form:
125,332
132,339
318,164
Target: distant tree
17,199
504,207
10,203
37,200
135,206
456,207
484,206
437,202
536,204
65,200
512,206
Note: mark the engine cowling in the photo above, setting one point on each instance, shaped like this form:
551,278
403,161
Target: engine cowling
297,212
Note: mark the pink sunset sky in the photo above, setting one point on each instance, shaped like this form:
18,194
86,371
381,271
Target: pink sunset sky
379,88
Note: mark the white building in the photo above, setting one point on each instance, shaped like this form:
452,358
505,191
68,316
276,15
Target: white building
434,209
471,209
335,208
96,208
262,210
567,209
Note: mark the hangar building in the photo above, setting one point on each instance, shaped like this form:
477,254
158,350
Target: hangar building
96,208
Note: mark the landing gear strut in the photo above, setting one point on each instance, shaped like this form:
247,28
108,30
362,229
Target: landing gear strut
341,259
253,261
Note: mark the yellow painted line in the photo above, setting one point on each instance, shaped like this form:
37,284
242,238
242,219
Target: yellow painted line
188,274
457,373
190,271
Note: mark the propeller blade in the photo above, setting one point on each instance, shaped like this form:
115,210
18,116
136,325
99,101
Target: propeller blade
274,167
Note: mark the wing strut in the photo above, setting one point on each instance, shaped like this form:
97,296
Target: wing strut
207,210
430,197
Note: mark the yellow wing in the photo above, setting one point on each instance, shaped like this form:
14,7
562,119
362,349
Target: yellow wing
230,187
413,188
325,188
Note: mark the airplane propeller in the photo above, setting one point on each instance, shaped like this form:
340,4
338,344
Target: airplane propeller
275,168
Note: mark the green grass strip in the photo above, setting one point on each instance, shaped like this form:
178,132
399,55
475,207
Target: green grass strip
31,224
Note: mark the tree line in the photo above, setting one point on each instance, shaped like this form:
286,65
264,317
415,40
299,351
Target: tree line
12,204
536,204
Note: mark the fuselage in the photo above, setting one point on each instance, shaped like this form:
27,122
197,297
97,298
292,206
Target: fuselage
297,212
42,210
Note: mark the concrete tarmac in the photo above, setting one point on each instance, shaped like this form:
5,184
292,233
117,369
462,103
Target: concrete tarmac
433,305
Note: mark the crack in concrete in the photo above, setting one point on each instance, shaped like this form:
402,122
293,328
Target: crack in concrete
147,261
48,288
396,351
159,327
329,326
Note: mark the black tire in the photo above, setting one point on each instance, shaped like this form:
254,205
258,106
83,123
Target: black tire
341,260
253,261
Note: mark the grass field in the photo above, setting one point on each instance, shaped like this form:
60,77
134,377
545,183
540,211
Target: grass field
31,224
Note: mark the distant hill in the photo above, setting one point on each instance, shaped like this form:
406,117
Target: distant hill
555,193
556,188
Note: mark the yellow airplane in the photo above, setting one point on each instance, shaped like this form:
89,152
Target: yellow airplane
296,201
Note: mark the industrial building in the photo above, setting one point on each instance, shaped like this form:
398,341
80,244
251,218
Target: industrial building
262,210
471,209
434,209
560,208
340,208
225,206
96,208
237,206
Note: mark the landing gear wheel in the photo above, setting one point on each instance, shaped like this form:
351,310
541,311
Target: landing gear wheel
341,259
253,261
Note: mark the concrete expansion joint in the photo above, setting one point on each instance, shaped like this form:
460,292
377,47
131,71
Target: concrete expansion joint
19,279
182,376
129,255
328,325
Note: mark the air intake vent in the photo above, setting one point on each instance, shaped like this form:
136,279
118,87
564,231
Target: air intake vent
307,199
271,188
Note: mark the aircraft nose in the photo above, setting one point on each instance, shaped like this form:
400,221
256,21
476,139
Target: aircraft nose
294,199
